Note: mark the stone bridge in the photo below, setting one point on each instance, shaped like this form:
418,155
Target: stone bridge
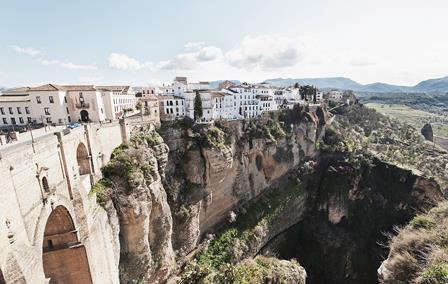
51,229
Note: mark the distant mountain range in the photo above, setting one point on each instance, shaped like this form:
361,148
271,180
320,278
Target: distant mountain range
432,85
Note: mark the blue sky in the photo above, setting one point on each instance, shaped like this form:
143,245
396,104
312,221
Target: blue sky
143,42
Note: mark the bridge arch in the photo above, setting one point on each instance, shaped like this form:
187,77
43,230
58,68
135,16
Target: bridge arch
64,257
83,159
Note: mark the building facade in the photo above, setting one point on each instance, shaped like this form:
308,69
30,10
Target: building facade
62,104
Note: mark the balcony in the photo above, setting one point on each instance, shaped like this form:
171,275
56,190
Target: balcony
82,105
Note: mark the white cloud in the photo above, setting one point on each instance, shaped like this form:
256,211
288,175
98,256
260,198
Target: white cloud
263,53
266,52
30,51
124,62
193,45
26,50
66,65
189,60
183,61
208,53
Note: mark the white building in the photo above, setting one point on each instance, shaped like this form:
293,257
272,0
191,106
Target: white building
336,96
319,96
171,107
62,104
224,105
119,101
251,100
15,110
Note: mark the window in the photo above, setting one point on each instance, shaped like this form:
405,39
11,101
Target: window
2,111
69,119
19,111
47,111
65,99
13,120
5,121
51,99
28,119
38,100
10,110
27,110
45,184
48,119
21,119
66,109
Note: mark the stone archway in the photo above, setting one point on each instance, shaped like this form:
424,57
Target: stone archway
84,116
64,257
83,159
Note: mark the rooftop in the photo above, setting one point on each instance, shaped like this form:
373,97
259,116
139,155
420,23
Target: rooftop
14,98
68,88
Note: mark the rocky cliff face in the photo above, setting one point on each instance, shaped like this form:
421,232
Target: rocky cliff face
167,195
135,194
204,203
212,171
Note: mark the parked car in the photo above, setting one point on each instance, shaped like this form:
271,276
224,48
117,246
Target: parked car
74,125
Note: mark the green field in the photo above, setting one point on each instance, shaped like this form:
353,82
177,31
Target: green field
415,117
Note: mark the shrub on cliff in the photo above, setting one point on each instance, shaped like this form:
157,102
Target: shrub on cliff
212,137
270,130
101,190
419,252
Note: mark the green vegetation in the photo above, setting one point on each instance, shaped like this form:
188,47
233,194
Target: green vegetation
100,189
415,117
198,112
272,130
148,137
215,137
117,151
359,130
419,252
284,155
235,240
435,274
422,221
308,93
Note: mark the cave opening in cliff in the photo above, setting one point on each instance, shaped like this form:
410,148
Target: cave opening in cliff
64,258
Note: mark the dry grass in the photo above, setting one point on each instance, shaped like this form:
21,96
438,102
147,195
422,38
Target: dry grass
419,252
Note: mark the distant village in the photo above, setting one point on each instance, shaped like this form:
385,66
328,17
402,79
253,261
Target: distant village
68,105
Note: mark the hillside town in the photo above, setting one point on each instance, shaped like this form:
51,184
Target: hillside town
53,105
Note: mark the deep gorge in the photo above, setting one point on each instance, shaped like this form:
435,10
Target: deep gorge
236,202
343,237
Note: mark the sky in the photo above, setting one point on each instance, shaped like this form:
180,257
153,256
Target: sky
143,42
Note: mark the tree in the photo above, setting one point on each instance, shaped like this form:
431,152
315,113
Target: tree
197,106
296,85
307,92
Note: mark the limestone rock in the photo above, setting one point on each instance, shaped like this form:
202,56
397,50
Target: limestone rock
427,132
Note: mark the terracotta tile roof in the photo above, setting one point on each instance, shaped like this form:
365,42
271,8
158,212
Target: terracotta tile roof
21,90
78,88
47,87
112,88
14,98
